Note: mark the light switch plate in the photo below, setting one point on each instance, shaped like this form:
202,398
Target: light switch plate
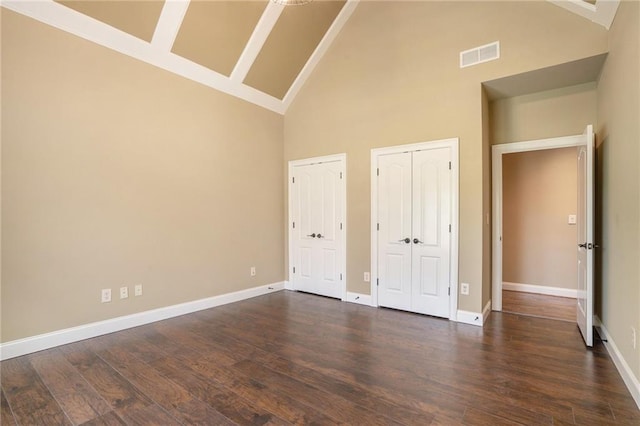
572,219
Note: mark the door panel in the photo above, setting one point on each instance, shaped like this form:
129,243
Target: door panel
585,223
431,219
394,215
317,237
414,202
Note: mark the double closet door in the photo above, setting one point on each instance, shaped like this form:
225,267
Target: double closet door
414,231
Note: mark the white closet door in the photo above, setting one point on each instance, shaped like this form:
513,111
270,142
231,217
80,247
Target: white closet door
414,240
394,235
431,251
317,237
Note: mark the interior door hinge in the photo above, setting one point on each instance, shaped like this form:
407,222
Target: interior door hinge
341,226
377,281
294,225
377,172
378,227
293,180
449,165
340,277
449,291
340,175
294,269
449,228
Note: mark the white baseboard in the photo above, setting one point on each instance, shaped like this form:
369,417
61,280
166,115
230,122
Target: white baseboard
69,335
467,317
632,382
288,285
361,299
541,289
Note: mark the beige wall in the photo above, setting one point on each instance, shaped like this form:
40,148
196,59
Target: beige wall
117,173
548,114
539,192
392,77
618,185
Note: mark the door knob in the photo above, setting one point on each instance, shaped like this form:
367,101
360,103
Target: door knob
312,235
405,240
416,241
584,245
319,236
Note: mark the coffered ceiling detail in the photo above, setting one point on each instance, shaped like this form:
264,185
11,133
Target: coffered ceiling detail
256,50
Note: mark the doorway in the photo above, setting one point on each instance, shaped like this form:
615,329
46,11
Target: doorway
317,213
414,211
583,220
539,233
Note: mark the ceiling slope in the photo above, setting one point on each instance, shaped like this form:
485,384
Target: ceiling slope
258,51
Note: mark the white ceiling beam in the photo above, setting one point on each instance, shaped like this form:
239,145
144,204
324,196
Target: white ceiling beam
320,50
169,24
256,41
71,21
601,13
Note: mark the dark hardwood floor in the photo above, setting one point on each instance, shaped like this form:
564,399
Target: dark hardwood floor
539,305
293,358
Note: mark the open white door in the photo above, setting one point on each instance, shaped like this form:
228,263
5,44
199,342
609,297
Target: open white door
585,222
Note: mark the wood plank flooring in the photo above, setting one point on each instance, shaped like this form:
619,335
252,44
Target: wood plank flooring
292,358
539,305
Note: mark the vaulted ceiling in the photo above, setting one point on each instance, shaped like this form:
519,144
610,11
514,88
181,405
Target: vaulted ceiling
256,50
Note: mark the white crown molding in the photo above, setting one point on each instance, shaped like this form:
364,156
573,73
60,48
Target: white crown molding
603,12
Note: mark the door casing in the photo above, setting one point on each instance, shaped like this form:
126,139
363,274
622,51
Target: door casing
496,188
451,143
342,158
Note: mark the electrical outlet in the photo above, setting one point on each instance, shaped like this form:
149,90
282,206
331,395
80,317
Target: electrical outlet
253,271
367,277
137,290
633,337
464,288
124,292
105,295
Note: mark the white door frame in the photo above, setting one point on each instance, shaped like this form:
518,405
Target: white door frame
375,153
496,193
342,158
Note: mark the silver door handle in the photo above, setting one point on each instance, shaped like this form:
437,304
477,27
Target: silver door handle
312,235
319,236
416,241
583,245
405,240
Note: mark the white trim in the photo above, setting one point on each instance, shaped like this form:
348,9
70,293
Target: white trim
497,151
342,158
69,335
288,286
321,49
359,298
541,289
632,382
71,21
260,33
471,318
169,24
603,12
452,143
486,312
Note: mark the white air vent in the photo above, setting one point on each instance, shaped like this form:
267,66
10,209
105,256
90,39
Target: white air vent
480,54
